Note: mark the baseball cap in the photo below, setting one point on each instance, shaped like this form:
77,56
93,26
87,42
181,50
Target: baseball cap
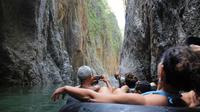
84,72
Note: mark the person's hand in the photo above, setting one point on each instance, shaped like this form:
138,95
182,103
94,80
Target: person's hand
195,48
117,75
56,94
104,78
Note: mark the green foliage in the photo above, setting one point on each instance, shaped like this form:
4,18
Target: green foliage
102,24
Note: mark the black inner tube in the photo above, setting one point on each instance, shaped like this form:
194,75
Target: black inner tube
74,105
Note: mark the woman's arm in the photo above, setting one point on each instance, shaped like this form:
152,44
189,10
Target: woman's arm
132,98
79,92
124,98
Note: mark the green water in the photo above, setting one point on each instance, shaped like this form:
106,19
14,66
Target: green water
28,99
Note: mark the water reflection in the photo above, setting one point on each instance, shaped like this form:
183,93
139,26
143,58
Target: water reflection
28,99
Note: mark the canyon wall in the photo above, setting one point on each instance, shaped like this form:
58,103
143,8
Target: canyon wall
93,30
44,42
153,26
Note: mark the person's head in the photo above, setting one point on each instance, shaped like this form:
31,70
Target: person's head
192,40
177,67
153,86
130,80
142,86
84,73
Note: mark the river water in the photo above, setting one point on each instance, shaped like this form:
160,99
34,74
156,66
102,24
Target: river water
29,99
32,99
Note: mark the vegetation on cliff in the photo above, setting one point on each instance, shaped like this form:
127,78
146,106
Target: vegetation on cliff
104,33
49,40
93,29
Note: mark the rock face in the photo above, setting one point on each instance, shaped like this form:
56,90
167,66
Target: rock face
37,47
153,26
32,51
95,35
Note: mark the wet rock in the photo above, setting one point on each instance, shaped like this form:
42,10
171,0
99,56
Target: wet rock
44,42
31,47
153,26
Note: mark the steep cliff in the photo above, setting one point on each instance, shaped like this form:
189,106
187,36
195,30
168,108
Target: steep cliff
95,35
104,34
37,47
153,26
31,47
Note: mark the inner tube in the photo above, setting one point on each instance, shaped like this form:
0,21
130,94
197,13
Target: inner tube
74,105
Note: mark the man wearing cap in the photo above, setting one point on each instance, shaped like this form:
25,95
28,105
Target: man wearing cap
88,79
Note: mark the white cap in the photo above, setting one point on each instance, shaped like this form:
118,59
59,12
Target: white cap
84,72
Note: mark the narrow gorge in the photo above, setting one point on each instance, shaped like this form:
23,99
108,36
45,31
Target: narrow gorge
44,42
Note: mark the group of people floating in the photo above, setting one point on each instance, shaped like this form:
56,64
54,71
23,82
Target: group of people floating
178,74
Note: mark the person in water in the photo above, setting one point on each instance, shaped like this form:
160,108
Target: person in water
134,85
178,65
127,81
142,87
192,98
88,80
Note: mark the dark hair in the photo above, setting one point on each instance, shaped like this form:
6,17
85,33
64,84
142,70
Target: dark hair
143,86
192,40
130,80
180,66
